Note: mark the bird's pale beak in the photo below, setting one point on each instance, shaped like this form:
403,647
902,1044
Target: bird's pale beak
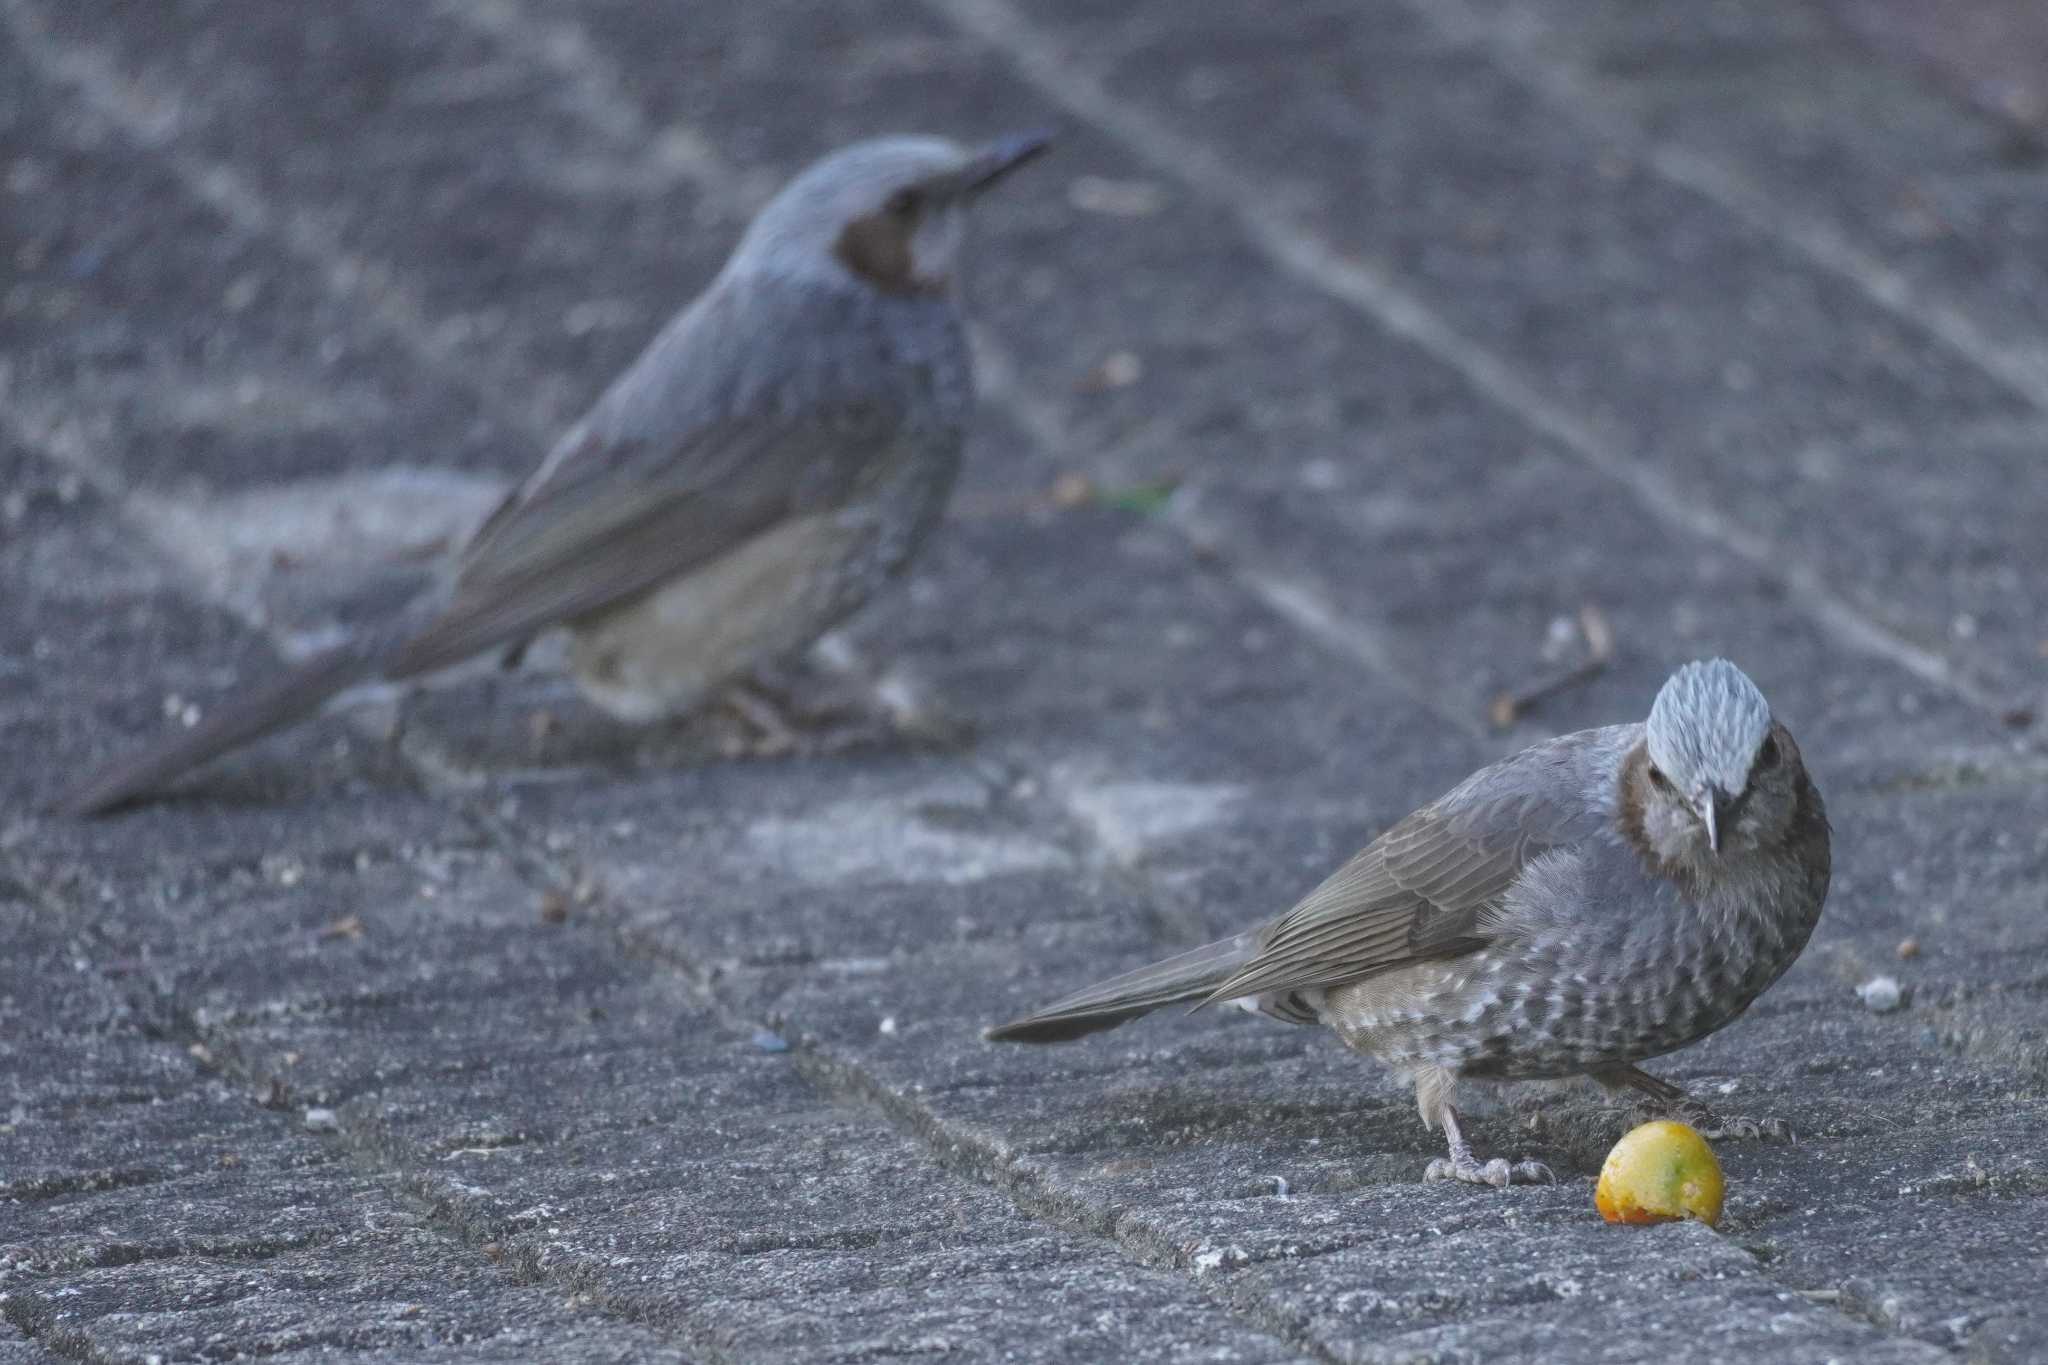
1713,807
991,163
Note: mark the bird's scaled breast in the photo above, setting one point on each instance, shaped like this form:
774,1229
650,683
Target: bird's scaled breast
1675,973
1606,985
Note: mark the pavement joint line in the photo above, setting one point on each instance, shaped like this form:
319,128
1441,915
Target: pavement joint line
562,46
42,1329
970,1156
974,1156
1295,602
365,1146
521,1261
1515,49
57,440
147,117
1372,292
202,1249
845,1081
178,1028
1310,612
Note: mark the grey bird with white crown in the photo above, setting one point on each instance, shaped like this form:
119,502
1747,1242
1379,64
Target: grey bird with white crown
1594,900
780,451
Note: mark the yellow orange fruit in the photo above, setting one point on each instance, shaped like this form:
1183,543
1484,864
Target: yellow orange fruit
1659,1172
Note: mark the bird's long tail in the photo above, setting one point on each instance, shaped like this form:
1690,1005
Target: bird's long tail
236,721
1192,975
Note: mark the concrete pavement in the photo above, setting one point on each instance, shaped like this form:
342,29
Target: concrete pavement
1387,336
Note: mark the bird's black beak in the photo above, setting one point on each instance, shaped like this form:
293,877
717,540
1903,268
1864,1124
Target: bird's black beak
991,163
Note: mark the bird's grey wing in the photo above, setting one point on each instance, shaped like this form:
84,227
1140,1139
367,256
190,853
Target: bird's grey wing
742,411
1429,887
621,515
627,517
759,398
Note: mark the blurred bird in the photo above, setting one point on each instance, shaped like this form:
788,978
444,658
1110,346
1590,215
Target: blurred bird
777,453
1594,900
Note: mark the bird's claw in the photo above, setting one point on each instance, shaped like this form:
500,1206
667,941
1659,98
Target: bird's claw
1499,1172
772,729
1760,1130
919,716
1727,1127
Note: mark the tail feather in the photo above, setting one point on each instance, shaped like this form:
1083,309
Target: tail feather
1190,976
232,723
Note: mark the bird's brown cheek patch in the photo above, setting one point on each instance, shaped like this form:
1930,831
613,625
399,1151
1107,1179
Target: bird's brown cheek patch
877,249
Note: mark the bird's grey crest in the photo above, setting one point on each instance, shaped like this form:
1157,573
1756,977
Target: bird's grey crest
852,181
796,230
1706,726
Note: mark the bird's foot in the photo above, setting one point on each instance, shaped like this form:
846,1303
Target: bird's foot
1499,1172
771,727
1712,1126
893,701
770,721
1721,1127
1667,1101
919,716
1461,1165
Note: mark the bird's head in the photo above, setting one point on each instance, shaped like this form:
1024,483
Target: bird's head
1719,776
890,213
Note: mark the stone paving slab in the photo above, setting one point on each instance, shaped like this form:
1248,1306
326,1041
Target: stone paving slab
384,1047
157,1209
1995,54
1386,338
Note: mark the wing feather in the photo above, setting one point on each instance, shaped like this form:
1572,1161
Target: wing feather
1432,885
732,420
553,560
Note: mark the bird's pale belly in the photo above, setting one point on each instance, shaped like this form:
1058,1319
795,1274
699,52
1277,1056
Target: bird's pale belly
662,653
666,651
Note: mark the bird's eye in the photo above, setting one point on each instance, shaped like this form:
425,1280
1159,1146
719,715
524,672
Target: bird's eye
904,204
1768,755
1657,778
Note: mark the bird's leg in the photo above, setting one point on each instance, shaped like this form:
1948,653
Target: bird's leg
1670,1101
763,713
908,703
1462,1165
